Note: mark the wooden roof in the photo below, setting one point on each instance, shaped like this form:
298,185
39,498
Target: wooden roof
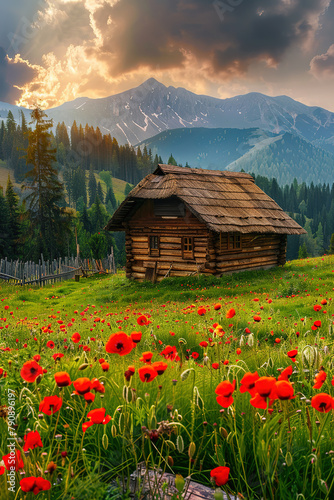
224,201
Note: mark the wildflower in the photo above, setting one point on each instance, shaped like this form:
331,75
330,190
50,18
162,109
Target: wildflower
82,385
136,337
220,475
215,366
225,390
217,307
160,367
147,373
76,337
62,379
248,383
203,343
57,355
30,371
257,318
32,440
142,320
105,366
50,404
146,357
238,351
119,343
277,340
201,311
284,390
319,379
96,385
194,355
322,402
292,354
13,461
51,467
34,484
170,352
264,386
96,416
50,344
230,313
317,307
286,373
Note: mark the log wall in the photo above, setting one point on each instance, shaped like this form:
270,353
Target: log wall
170,231
258,251
211,253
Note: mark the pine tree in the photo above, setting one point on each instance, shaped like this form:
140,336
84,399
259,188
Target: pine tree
331,245
302,253
49,224
110,197
4,226
171,160
14,221
92,187
127,189
100,192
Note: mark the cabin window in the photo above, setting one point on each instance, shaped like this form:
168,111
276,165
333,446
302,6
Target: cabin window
234,241
188,247
154,245
169,208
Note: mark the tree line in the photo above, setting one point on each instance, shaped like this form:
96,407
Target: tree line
62,203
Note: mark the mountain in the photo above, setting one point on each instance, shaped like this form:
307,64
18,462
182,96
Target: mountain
142,112
5,108
284,156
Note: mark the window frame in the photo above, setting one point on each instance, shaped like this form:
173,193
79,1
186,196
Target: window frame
186,253
234,241
154,251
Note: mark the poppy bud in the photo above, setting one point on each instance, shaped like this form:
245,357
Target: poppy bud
191,449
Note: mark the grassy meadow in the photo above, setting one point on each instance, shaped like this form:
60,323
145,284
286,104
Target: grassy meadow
197,393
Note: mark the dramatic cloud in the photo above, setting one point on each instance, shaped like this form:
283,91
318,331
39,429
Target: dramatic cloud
14,73
92,47
322,66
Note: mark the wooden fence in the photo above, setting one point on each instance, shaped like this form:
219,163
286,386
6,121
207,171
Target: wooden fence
23,273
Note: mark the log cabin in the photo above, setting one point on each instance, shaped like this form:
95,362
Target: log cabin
180,221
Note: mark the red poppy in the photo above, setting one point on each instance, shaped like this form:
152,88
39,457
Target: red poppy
284,390
317,323
248,383
292,354
97,386
238,351
13,461
30,371
32,440
147,373
215,366
258,401
142,320
170,352
82,385
50,344
194,355
319,379
146,357
76,337
230,313
286,373
201,311
217,307
57,355
225,390
220,475
317,307
277,341
322,402
119,343
96,416
323,302
50,405
34,484
89,397
264,386
247,330
160,367
257,318
105,366
203,343
37,358
62,379
136,337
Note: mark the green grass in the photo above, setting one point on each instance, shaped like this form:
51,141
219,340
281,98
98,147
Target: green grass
271,455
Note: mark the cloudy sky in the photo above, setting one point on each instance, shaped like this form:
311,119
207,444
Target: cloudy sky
52,51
